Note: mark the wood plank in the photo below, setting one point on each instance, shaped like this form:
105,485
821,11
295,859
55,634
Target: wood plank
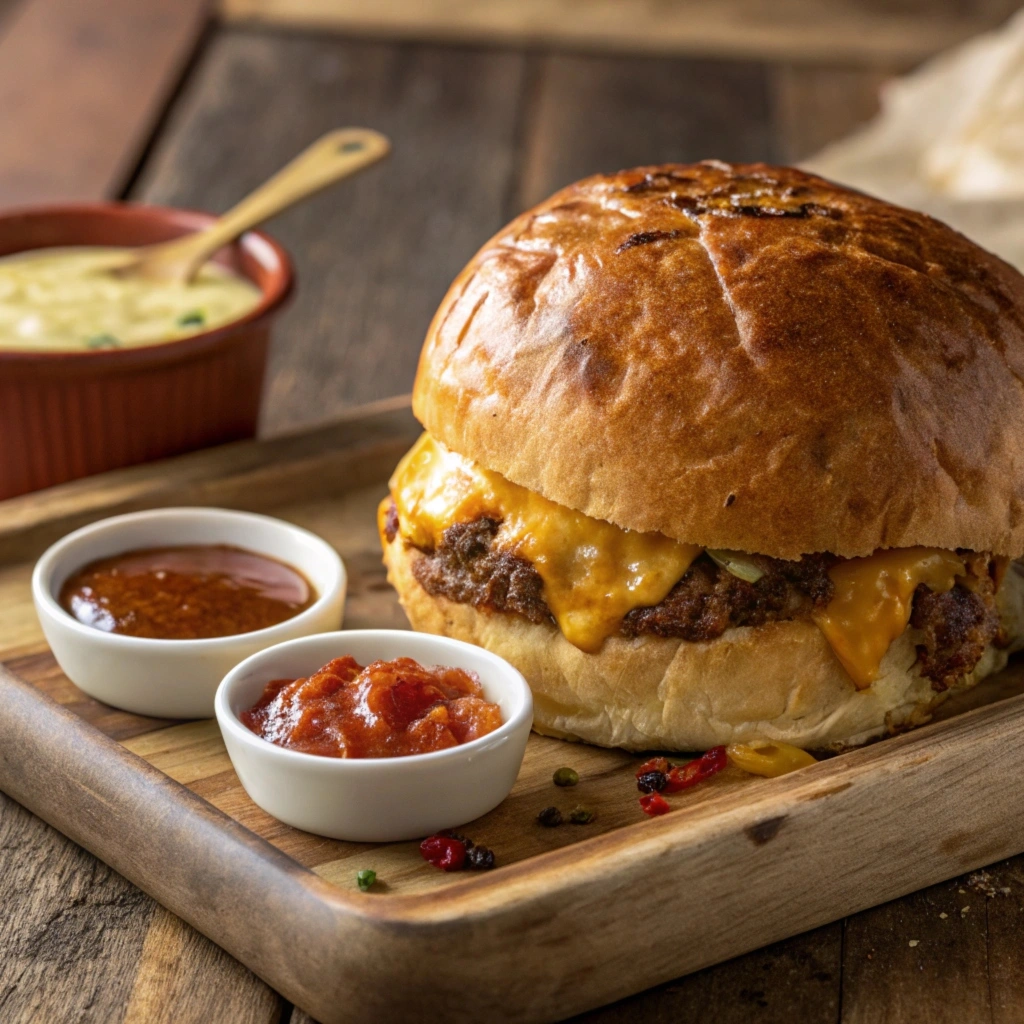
796,980
167,991
68,918
1004,914
82,82
787,29
590,114
951,951
815,104
65,917
375,255
248,474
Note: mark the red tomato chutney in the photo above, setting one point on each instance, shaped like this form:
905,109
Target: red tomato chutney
191,592
388,709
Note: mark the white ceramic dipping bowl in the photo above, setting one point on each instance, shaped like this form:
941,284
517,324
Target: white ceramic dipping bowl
378,799
176,678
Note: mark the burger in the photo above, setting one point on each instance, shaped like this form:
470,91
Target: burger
718,453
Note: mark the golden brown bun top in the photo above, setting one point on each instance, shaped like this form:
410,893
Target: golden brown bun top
741,356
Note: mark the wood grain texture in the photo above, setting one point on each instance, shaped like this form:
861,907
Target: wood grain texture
798,980
164,993
814,104
247,474
374,256
82,82
805,29
56,945
69,919
946,946
589,114
861,827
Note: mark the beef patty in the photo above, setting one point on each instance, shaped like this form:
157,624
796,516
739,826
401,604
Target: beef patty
467,567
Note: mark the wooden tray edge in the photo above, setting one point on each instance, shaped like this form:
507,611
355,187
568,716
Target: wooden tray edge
861,828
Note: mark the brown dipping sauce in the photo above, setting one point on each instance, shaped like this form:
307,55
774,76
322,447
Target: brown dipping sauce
388,709
192,592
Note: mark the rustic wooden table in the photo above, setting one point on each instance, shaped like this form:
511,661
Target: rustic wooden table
156,102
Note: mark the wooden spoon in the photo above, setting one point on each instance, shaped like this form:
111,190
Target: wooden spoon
336,155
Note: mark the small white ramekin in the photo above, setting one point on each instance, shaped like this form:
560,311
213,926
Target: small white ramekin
378,799
176,678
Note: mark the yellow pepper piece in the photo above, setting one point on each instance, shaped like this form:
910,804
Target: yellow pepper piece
762,757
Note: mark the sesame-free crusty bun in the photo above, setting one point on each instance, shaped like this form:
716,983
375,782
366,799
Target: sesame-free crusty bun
779,681
740,357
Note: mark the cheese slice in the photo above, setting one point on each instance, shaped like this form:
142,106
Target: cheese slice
872,603
593,572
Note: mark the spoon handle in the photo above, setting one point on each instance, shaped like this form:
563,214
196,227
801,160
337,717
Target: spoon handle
334,156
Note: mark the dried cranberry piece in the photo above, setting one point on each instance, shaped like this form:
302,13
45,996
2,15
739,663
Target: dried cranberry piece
654,804
651,782
444,852
703,767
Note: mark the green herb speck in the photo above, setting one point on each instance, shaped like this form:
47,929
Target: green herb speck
102,341
195,318
365,878
581,816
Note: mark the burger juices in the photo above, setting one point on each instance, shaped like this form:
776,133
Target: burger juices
721,453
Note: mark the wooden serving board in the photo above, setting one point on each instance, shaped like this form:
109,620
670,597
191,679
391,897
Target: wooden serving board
573,917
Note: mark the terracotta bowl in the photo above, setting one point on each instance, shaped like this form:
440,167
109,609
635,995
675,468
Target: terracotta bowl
65,415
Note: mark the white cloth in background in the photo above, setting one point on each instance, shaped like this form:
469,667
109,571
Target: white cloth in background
950,141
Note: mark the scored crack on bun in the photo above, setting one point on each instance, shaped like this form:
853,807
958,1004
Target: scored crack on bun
719,453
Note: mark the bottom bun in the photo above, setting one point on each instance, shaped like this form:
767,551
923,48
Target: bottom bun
779,681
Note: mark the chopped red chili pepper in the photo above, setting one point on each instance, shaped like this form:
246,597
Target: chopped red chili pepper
654,804
444,852
655,764
703,767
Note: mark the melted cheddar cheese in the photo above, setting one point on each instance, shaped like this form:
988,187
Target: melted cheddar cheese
872,603
593,571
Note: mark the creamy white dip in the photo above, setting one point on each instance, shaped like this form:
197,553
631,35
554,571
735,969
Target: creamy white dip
62,300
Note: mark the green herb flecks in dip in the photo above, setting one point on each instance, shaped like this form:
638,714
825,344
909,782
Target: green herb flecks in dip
66,300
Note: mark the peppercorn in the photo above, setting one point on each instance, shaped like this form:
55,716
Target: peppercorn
480,858
652,782
566,777
550,817
581,816
450,833
365,878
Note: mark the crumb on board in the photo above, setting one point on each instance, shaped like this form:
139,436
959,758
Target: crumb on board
981,883
913,942
943,915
